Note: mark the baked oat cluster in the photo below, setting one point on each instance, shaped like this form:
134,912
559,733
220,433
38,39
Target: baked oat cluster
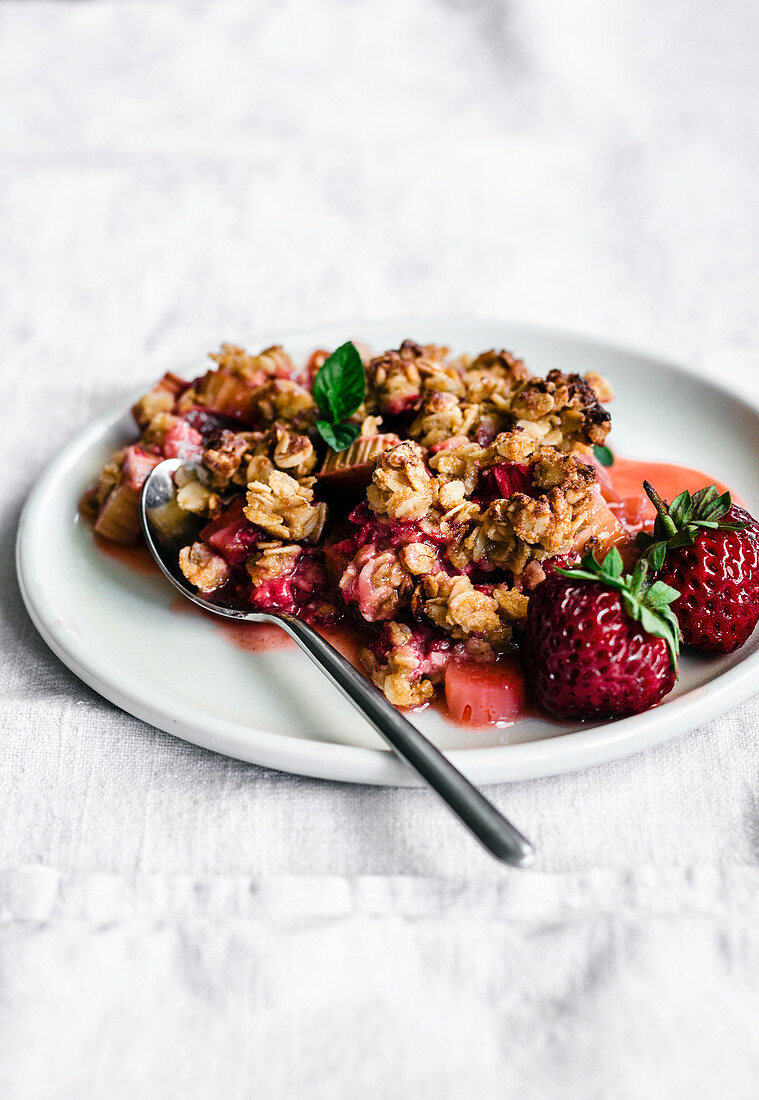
468,478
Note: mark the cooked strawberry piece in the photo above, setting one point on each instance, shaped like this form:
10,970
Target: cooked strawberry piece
502,481
274,595
427,651
385,533
227,395
304,591
137,465
312,588
231,533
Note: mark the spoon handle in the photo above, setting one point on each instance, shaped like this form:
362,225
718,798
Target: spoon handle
469,805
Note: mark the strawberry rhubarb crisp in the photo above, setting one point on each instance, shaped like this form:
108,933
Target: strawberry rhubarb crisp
441,502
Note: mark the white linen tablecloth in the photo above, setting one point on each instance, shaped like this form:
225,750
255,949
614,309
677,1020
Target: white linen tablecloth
173,174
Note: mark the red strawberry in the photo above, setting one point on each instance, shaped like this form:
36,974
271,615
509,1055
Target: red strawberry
708,549
598,644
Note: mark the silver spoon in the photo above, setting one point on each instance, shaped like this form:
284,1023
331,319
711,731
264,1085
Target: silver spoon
167,528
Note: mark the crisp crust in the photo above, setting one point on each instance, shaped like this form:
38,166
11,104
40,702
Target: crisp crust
377,583
271,362
475,478
455,606
397,379
282,506
512,532
402,488
224,454
272,560
442,416
561,410
203,568
403,671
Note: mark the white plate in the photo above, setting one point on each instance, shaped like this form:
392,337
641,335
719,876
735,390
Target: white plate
116,628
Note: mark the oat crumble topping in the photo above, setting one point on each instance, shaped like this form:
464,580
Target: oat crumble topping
466,477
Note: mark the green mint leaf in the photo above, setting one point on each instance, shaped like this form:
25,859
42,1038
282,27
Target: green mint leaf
603,455
338,436
340,384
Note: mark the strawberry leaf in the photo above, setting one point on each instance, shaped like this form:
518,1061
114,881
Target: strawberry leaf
678,524
656,555
612,564
681,508
645,601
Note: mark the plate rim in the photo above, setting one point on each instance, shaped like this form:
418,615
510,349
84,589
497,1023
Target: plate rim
308,756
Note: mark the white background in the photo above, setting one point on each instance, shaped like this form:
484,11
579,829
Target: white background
173,174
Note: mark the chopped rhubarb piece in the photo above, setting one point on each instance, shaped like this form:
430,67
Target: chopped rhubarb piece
337,555
605,526
137,465
512,477
633,512
183,441
446,444
604,478
161,398
231,533
228,395
482,694
119,517
350,471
